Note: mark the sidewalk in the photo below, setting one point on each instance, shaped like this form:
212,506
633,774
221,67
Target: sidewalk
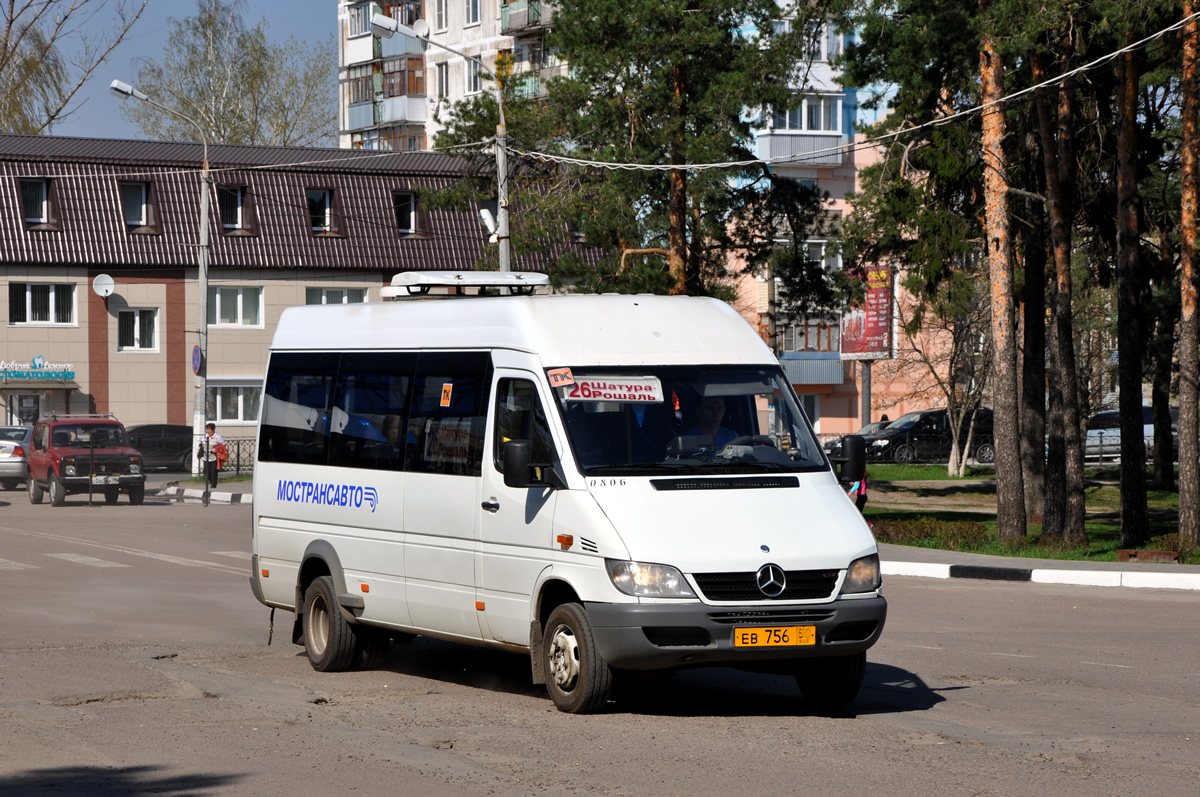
903,560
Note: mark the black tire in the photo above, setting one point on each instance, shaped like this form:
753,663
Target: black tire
831,682
111,494
185,465
373,645
985,454
329,640
137,494
578,679
34,489
904,453
11,484
58,495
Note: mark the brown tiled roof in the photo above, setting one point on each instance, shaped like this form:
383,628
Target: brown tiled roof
85,175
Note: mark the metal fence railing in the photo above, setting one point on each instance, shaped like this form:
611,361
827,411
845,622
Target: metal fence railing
242,451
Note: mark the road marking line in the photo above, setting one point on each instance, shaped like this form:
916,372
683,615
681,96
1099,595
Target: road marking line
1012,655
924,647
231,554
236,571
7,565
1103,664
80,559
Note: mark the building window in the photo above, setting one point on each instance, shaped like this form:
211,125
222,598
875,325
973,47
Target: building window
231,199
35,200
41,303
320,210
360,83
473,84
810,334
814,114
824,43
233,404
359,20
416,76
443,80
406,12
235,307
439,14
396,138
406,211
335,295
135,201
135,329
472,10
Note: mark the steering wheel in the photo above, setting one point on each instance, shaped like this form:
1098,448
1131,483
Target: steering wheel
751,440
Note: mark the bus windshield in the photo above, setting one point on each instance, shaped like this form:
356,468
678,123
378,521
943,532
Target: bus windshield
684,419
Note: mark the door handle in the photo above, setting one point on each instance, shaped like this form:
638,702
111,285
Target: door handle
491,506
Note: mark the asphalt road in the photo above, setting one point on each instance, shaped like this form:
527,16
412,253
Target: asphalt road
133,659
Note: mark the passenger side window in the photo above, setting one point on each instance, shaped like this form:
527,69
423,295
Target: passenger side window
519,416
295,416
448,413
370,410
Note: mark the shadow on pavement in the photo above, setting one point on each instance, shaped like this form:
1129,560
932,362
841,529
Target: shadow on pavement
109,782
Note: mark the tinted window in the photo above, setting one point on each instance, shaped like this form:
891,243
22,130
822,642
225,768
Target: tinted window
295,416
370,410
519,416
447,414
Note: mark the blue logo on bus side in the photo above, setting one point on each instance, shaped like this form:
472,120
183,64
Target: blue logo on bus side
326,494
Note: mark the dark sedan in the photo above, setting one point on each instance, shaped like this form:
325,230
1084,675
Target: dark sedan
163,445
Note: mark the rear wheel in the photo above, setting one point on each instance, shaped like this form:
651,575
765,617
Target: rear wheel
137,494
34,489
831,682
57,494
577,678
329,640
11,484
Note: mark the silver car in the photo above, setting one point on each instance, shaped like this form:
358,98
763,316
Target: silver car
14,448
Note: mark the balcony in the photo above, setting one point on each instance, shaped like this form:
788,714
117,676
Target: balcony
819,147
517,16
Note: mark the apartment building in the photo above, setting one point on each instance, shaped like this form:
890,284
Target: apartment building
287,226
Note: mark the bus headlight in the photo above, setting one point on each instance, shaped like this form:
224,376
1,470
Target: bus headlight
648,581
863,575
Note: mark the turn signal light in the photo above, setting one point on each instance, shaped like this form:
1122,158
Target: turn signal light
478,606
366,587
266,573
566,541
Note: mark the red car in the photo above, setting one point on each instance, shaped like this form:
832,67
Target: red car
78,453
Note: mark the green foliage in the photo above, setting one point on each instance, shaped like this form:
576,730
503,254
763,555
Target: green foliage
654,83
236,84
928,531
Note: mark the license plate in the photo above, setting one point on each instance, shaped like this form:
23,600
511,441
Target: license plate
106,480
779,637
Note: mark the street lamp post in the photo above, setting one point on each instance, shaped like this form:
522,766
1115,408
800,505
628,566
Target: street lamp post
386,26
198,411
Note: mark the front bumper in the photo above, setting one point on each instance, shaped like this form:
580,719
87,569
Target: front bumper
80,484
665,636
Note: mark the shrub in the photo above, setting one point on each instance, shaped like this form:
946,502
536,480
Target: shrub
959,535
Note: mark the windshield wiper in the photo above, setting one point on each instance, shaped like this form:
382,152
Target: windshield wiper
673,467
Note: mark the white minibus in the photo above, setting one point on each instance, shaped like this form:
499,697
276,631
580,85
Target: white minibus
609,484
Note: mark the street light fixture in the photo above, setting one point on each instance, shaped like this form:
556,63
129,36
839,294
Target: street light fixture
124,90
386,27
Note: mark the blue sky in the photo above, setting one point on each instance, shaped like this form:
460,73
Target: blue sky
99,115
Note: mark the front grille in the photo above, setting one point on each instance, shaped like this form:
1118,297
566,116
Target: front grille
772,617
101,465
801,585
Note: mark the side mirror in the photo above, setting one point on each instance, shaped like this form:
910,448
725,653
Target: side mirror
854,451
517,457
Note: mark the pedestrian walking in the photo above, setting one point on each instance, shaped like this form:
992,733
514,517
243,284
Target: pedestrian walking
212,453
858,492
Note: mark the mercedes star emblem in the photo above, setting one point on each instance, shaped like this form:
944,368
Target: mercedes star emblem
771,580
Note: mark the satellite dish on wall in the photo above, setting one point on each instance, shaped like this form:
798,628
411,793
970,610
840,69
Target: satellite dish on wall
421,28
103,285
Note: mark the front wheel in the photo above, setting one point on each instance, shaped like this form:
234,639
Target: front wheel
34,489
58,495
329,640
137,494
577,678
985,454
905,454
111,494
831,682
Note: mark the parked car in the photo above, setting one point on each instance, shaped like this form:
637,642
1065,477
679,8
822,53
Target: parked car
833,448
924,436
14,450
1103,437
164,445
81,453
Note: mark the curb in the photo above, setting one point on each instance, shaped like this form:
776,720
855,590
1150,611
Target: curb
216,496
1077,578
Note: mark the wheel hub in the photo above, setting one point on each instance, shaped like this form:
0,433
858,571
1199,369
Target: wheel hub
564,658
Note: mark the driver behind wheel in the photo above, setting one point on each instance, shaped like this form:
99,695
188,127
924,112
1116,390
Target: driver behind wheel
709,414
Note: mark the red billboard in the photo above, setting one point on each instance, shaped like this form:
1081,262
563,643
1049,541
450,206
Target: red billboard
867,330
